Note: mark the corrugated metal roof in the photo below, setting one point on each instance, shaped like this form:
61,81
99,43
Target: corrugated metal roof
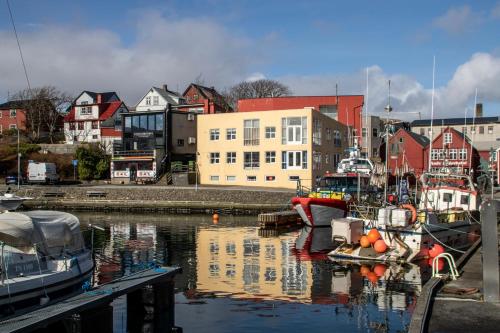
455,121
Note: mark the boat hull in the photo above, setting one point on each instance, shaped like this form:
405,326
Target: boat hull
319,212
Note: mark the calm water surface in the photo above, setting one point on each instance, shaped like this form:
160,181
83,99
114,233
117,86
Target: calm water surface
237,278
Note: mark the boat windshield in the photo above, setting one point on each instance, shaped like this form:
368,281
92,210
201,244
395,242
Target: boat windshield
343,184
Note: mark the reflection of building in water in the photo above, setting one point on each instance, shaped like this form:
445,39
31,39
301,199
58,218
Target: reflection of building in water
238,261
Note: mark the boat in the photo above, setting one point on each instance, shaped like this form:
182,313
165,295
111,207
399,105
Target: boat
355,163
448,214
313,243
42,257
9,201
317,212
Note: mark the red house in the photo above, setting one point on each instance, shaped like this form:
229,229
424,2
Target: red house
204,100
12,116
346,109
406,153
451,152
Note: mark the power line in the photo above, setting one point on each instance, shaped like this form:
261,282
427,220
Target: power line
18,45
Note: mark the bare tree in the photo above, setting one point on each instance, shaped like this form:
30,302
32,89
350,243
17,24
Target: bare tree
43,110
255,89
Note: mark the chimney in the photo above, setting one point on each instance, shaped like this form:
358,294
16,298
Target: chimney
165,87
479,110
99,98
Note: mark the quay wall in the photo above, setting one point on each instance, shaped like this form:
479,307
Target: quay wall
164,200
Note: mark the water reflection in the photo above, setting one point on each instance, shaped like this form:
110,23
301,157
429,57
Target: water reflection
239,278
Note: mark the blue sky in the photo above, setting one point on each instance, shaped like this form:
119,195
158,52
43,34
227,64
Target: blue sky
128,46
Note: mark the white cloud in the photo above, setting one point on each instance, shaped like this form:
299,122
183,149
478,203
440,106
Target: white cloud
255,77
458,20
408,96
169,51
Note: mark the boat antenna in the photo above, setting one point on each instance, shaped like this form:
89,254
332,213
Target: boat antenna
473,128
368,153
388,109
432,111
464,139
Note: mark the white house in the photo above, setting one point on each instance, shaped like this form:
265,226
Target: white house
158,99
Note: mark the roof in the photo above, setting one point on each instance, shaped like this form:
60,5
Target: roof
455,121
304,96
421,139
20,104
105,96
110,110
166,94
110,132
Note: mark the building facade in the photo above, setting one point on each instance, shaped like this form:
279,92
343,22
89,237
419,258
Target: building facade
12,116
95,118
271,149
371,139
406,153
201,99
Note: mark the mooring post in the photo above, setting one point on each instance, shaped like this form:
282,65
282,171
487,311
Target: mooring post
164,304
489,230
135,311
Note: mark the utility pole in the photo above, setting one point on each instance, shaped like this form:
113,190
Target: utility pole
18,156
388,109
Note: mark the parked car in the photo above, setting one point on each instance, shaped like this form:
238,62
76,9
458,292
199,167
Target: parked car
12,180
42,173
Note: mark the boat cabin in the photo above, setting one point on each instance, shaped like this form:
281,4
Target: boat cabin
336,185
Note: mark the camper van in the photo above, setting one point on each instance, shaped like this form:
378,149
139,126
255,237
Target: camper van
42,173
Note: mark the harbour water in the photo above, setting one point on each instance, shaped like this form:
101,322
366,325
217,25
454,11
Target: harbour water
237,278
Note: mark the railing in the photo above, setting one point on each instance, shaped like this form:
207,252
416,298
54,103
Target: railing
134,153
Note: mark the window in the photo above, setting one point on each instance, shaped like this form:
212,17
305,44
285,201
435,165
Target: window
270,178
464,130
95,124
148,100
316,160
214,158
462,154
156,100
231,157
72,126
446,138
13,113
422,131
84,102
294,159
94,136
447,197
270,132
251,178
85,110
453,154
317,132
441,154
75,138
375,132
435,154
294,130
81,125
401,140
12,126
180,142
464,199
231,178
481,129
251,160
251,132
214,178
159,122
473,129
328,134
231,134
293,178
337,138
270,156
490,129
214,134
327,158
363,132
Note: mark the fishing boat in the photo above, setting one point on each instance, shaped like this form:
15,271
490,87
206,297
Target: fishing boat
42,257
9,201
447,215
319,212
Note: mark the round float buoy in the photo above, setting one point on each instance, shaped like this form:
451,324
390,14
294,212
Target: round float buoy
379,269
215,218
364,270
373,235
364,241
380,246
435,250
372,277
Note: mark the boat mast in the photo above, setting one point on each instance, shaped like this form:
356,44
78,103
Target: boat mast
464,139
432,111
368,153
473,133
388,109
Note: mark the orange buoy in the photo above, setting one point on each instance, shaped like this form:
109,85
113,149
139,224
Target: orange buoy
435,250
373,235
372,277
380,246
215,218
364,270
380,269
364,242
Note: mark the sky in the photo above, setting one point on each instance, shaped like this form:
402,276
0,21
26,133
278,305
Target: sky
312,46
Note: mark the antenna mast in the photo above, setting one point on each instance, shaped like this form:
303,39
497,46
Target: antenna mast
432,111
388,109
473,133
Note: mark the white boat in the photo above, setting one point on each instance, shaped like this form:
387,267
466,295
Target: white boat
9,201
355,163
448,215
42,256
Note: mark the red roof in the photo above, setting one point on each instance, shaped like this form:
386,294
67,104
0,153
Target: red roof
106,110
110,132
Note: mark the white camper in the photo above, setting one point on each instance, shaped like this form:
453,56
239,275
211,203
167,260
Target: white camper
39,172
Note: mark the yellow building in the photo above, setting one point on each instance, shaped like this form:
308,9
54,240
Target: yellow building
268,148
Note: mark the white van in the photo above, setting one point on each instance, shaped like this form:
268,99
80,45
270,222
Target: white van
42,173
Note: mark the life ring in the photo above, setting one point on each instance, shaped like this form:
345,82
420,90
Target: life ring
413,212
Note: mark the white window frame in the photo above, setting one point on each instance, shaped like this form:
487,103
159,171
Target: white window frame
13,113
270,157
270,132
294,133
215,158
447,138
434,154
214,178
12,126
148,100
249,178
293,154
453,154
462,154
156,100
251,132
214,134
490,129
252,164
231,134
231,157
270,180
230,178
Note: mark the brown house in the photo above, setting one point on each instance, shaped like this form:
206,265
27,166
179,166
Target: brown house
204,100
406,152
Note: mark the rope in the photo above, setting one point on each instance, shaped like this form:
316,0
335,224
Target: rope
437,240
458,231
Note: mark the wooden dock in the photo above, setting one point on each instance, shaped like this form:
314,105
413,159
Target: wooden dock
275,219
91,307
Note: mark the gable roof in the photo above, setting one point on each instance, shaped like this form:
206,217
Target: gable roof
455,121
106,110
105,96
420,139
21,104
166,94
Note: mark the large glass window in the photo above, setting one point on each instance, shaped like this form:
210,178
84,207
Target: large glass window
294,160
294,130
128,124
144,122
159,122
135,123
251,160
151,122
251,132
